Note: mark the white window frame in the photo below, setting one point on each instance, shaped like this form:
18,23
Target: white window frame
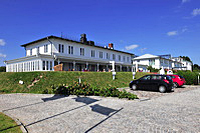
46,48
101,54
70,49
92,53
82,51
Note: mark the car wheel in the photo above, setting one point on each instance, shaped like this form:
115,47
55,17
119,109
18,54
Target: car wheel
162,89
175,84
134,87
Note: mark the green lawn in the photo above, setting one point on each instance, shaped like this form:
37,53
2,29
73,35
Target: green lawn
9,82
8,125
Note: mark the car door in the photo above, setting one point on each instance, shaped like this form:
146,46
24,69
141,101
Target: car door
155,81
144,82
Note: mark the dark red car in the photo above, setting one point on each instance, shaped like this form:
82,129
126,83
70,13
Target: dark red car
178,80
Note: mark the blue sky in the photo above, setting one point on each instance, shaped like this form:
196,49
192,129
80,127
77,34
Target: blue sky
137,26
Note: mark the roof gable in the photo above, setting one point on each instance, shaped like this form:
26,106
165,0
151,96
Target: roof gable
146,56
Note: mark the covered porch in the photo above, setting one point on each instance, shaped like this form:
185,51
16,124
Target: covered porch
78,65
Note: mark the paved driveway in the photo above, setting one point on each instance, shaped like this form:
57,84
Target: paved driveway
174,112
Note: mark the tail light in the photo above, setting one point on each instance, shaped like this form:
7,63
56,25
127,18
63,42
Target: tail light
166,81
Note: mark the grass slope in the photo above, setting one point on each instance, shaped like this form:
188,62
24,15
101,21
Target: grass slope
8,125
9,82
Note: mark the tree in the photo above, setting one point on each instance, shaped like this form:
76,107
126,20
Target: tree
186,58
152,69
196,67
2,69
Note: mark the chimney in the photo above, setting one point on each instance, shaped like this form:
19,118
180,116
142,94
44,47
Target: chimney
110,45
83,38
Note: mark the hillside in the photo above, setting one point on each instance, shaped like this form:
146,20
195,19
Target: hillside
37,82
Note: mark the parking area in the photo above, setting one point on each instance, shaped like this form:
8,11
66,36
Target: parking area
143,94
169,112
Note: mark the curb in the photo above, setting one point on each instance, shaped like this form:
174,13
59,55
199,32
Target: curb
19,123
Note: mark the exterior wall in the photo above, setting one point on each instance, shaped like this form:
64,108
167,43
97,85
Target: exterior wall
39,45
24,66
30,65
35,61
188,65
155,63
179,62
87,52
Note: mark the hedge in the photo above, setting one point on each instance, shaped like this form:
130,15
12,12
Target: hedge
140,74
190,77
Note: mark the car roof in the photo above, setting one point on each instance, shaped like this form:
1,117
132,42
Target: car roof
172,75
157,74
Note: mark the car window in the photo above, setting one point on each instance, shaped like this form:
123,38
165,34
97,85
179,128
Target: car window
146,77
154,77
173,77
159,77
169,78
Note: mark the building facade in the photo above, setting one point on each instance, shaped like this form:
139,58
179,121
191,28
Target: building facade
45,53
167,62
186,65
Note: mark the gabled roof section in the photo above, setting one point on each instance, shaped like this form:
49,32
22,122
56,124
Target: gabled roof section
146,56
49,37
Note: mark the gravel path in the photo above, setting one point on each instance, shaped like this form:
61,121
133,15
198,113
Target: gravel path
174,112
142,94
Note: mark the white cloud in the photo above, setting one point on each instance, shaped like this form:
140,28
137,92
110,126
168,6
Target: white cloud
196,12
172,33
131,47
184,1
142,50
2,55
2,42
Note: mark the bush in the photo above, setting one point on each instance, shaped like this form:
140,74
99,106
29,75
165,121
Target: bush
86,90
153,69
190,77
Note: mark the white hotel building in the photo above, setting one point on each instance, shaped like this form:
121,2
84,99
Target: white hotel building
163,61
45,53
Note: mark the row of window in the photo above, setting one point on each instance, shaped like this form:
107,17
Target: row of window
24,67
30,66
47,65
38,49
82,53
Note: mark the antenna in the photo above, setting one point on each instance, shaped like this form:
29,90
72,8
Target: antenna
61,34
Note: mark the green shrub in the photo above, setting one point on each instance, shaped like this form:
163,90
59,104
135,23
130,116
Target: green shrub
153,69
86,90
190,77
